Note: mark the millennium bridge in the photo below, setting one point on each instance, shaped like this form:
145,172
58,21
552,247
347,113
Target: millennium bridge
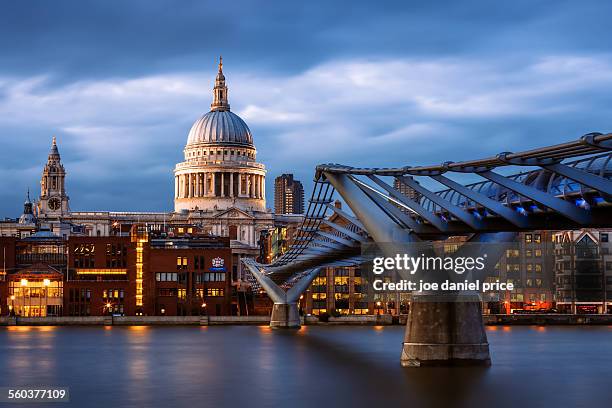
560,187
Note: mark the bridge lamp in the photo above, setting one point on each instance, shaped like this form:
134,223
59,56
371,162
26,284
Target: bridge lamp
46,282
203,304
582,203
24,282
108,305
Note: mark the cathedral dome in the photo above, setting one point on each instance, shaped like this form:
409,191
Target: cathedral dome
220,126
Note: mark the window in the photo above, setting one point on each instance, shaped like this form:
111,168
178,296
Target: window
166,276
537,238
116,256
113,295
604,237
79,302
528,238
198,262
538,267
214,277
84,255
537,252
181,262
319,304
512,253
513,267
182,278
166,291
181,294
214,292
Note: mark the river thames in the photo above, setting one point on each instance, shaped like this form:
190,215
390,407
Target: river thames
242,366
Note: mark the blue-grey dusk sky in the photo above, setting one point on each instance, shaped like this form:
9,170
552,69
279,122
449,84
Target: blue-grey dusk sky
384,83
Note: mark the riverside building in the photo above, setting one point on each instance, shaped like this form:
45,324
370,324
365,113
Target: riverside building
141,273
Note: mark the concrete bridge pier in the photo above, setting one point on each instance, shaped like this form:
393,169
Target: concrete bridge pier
445,333
285,312
285,316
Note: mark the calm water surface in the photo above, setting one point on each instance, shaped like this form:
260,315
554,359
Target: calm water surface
240,366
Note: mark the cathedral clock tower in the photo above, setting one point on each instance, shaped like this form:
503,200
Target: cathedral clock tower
53,200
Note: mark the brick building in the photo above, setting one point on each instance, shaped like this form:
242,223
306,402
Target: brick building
143,273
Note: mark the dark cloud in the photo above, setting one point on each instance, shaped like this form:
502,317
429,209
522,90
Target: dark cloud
76,39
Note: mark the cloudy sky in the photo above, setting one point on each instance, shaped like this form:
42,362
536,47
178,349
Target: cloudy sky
363,83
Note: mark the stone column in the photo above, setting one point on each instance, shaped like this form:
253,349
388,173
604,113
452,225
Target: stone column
222,184
263,186
254,186
214,182
239,184
200,184
232,184
176,186
248,180
191,185
258,186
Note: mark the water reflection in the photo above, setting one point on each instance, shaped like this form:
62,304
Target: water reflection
326,366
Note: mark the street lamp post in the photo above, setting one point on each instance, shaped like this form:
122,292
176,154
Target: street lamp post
46,284
24,284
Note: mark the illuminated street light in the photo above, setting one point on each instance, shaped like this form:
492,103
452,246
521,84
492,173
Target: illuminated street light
46,282
24,282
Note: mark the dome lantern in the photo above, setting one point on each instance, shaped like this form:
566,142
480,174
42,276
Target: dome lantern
220,101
